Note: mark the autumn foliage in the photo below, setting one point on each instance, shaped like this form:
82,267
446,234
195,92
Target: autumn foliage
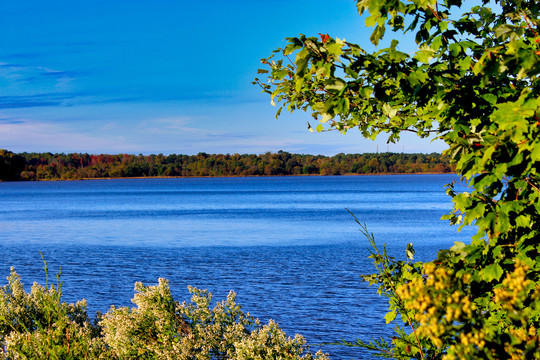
47,166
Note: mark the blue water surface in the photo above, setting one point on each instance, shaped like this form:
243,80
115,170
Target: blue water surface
286,245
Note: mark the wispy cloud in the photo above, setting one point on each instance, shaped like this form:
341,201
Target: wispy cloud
51,49
92,98
62,79
170,126
192,134
24,135
35,75
14,102
22,55
10,121
47,99
27,86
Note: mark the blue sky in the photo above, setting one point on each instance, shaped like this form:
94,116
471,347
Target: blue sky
161,76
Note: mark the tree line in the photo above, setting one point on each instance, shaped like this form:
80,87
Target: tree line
48,166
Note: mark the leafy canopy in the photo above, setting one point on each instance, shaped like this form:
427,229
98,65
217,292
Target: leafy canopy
473,81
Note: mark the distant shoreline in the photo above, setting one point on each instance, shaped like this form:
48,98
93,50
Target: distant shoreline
241,176
47,166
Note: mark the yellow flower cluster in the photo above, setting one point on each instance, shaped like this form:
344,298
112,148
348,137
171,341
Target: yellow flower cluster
438,301
426,296
510,293
438,304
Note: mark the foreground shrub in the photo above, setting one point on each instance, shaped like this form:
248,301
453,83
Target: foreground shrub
37,325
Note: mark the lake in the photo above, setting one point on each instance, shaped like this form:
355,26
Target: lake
286,245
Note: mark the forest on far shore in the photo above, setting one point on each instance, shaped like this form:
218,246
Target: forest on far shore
48,166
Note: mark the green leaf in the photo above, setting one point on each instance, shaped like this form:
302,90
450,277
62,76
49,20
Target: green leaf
301,66
335,84
335,48
294,45
535,153
390,316
377,34
506,31
425,54
371,20
455,49
490,98
389,111
491,272
437,43
458,247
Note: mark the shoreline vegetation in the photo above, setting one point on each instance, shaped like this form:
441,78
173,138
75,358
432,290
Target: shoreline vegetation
78,166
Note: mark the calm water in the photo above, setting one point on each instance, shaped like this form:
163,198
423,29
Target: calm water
286,245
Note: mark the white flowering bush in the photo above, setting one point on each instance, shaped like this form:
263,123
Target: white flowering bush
37,325
270,342
152,329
